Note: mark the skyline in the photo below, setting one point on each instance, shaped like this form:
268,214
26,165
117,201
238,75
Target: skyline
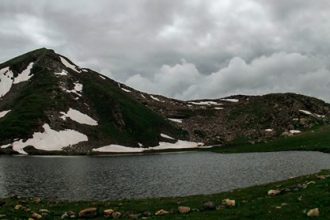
186,50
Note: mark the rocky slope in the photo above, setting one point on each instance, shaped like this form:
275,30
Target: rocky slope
50,105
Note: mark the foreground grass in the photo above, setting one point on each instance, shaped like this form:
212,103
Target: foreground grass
300,194
314,140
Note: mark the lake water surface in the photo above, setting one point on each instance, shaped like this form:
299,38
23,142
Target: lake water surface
152,175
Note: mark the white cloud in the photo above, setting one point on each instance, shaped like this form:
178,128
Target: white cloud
279,72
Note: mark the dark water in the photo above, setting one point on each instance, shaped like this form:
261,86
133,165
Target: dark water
173,174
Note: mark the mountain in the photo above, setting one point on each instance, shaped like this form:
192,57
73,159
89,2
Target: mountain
49,105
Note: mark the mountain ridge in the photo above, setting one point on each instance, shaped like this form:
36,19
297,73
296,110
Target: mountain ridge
46,93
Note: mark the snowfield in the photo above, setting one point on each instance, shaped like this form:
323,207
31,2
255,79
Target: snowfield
69,65
79,117
78,87
49,140
7,78
113,148
6,81
25,75
4,113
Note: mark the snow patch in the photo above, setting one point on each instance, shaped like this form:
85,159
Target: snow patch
113,148
102,77
77,89
49,140
166,136
319,116
154,98
312,114
126,90
4,113
63,73
205,103
305,112
67,64
218,108
143,96
295,131
25,75
269,130
79,117
175,120
6,81
230,100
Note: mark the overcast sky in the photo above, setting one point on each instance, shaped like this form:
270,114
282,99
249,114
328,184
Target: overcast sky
185,49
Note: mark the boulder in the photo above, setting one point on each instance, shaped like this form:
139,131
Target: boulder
209,205
313,212
161,212
88,213
273,192
36,215
116,215
229,202
184,209
18,207
134,216
108,212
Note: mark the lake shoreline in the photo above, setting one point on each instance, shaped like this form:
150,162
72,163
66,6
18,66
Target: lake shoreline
292,199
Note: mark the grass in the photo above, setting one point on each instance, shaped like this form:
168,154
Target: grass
317,139
251,203
124,119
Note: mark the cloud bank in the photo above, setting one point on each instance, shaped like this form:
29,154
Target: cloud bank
184,49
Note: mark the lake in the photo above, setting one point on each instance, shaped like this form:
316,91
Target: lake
151,175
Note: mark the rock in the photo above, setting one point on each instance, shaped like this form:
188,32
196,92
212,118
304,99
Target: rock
313,212
36,215
134,216
71,214
108,212
65,215
184,209
147,214
209,205
44,210
116,215
321,177
88,213
18,207
36,199
161,212
273,192
229,202
26,209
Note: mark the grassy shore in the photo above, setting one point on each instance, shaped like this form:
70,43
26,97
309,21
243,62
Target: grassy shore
298,195
313,140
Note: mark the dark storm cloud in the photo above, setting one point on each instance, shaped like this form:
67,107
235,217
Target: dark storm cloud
184,49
